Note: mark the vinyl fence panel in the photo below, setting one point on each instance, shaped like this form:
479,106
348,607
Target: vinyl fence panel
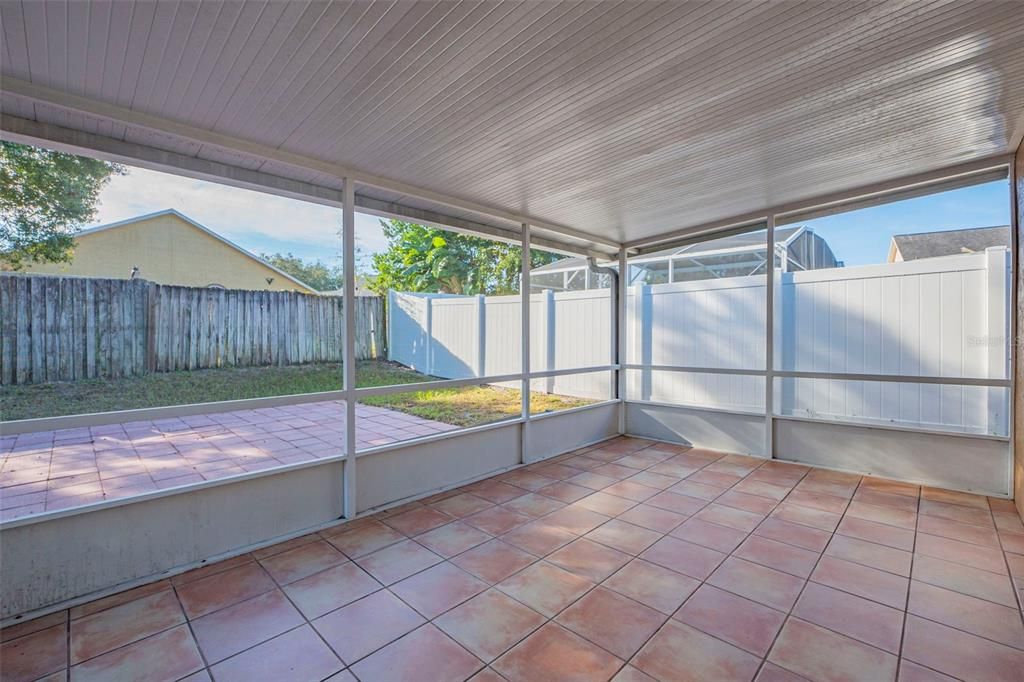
944,316
717,323
456,337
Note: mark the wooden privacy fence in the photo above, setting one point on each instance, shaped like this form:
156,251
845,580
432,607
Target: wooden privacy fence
72,328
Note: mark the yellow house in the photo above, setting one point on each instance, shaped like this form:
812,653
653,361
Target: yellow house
169,248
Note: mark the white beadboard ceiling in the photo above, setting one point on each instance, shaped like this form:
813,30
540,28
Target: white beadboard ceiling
623,120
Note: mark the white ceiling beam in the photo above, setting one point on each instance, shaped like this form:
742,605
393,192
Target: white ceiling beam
83,105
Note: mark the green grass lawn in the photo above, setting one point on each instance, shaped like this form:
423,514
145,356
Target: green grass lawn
471,405
466,406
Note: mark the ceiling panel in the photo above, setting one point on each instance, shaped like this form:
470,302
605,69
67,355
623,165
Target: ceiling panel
625,120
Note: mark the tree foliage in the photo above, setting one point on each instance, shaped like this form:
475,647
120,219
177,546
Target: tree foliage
429,259
45,197
317,274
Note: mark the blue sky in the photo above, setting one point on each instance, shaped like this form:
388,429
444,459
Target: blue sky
263,223
862,237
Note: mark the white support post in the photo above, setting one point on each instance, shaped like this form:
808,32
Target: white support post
389,317
524,298
428,346
995,267
549,338
998,327
1016,281
769,341
643,326
620,325
481,325
348,224
613,339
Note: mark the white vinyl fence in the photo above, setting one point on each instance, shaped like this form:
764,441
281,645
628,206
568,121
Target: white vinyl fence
456,337
938,317
944,316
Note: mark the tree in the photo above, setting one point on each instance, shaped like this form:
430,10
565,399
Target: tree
45,197
317,274
429,259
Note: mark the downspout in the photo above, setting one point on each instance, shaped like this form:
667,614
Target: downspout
592,266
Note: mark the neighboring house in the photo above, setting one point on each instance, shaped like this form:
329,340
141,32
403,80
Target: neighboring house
169,248
948,243
796,248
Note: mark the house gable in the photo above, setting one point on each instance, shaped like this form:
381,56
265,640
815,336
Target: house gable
169,248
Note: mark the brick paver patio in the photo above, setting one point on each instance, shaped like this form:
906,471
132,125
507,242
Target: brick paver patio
628,560
51,470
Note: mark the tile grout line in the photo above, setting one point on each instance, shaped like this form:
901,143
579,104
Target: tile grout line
191,630
1017,592
67,623
1006,560
910,582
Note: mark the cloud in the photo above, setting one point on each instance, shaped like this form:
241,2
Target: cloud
254,220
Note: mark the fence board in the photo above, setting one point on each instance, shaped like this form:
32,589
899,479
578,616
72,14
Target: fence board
103,325
24,343
8,338
78,329
37,308
123,303
115,301
202,355
50,299
70,328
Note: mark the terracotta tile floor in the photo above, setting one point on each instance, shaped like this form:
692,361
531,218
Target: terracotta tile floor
657,562
51,470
